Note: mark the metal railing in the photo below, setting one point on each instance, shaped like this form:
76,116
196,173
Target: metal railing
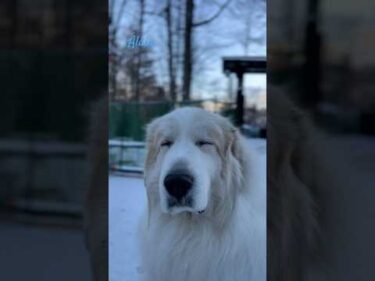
126,156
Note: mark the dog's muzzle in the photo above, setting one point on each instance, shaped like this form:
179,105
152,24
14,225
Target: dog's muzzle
178,183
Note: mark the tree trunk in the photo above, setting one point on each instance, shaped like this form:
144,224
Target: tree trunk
171,62
179,46
312,52
139,51
113,66
114,23
188,49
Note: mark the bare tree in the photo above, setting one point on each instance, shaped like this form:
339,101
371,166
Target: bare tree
114,26
139,72
170,43
139,55
243,12
179,40
189,10
171,13
188,44
247,33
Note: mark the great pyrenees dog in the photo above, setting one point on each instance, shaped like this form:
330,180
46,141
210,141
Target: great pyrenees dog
206,218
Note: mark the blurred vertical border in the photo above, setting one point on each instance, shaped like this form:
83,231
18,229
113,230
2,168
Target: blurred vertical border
53,68
321,58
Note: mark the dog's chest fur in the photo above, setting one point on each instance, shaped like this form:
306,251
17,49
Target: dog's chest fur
195,250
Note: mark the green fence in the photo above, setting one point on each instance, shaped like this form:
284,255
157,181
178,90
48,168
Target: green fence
128,120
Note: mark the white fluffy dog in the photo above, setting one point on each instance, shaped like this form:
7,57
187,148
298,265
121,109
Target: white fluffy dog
206,201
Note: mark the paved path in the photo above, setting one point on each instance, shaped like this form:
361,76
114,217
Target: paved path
42,253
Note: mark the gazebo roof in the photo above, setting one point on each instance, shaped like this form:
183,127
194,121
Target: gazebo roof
244,64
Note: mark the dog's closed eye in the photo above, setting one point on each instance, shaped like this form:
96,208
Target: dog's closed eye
166,143
203,142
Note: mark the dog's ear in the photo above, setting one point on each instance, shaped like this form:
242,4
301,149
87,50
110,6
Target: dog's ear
232,172
236,145
151,145
234,157
152,149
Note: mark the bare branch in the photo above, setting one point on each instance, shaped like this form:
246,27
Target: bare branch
121,12
161,13
206,21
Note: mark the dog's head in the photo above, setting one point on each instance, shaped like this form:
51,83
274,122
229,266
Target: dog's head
193,161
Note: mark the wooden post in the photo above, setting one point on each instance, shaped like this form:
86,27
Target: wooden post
240,101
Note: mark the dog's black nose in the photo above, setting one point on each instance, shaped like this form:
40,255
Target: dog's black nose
178,183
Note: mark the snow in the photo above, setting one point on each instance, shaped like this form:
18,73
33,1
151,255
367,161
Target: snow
127,200
127,168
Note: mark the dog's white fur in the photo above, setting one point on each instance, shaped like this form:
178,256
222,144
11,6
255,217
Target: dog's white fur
228,241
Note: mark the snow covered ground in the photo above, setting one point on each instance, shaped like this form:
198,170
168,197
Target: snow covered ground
127,199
